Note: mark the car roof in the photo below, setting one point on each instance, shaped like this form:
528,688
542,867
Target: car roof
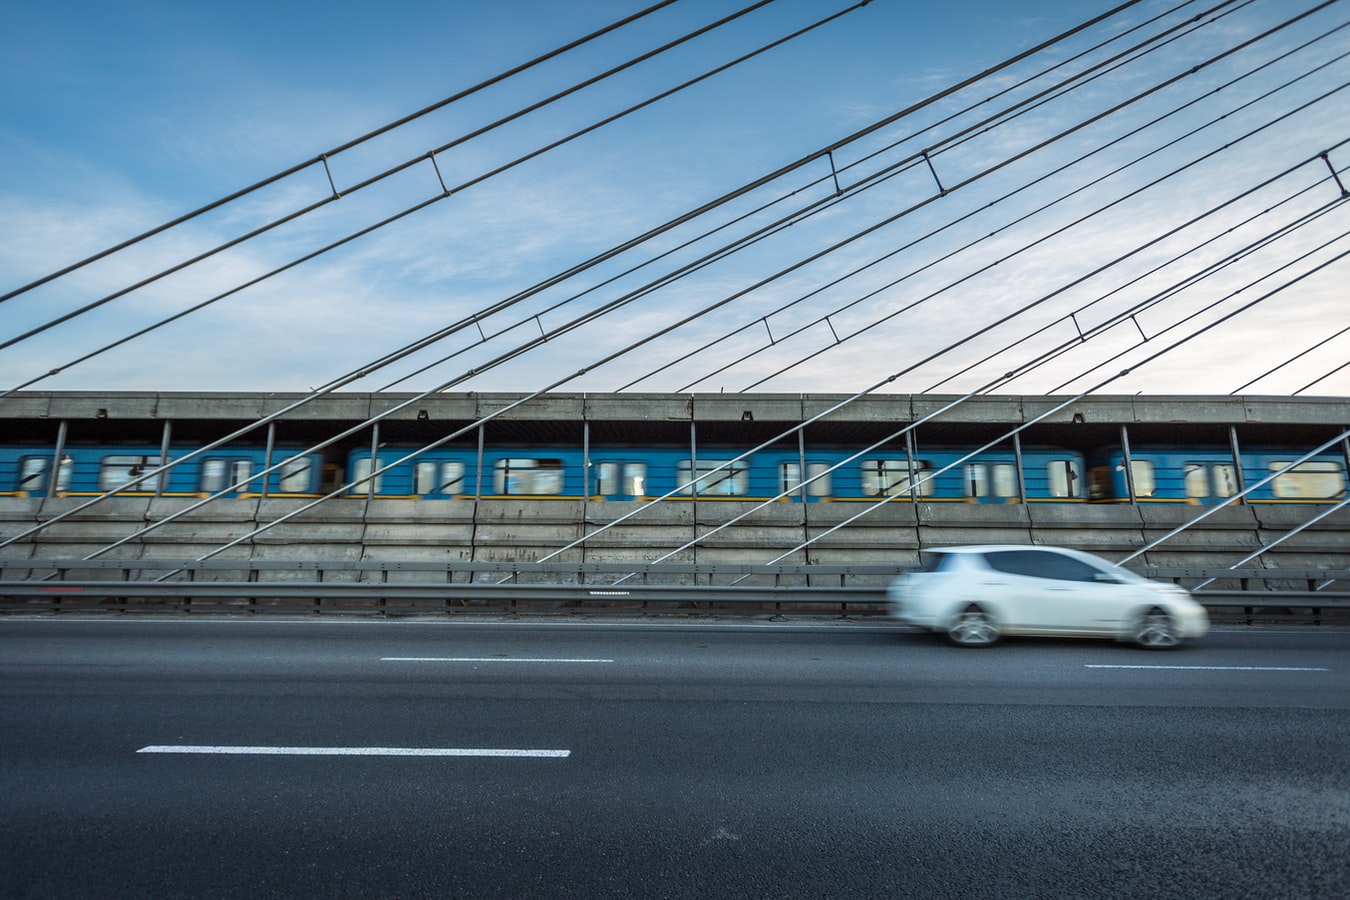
1000,548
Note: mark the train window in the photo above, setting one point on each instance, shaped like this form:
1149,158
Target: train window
977,480
1196,479
33,473
525,477
117,471
361,469
1309,481
1145,481
220,474
635,479
986,480
607,479
1225,479
296,475
891,477
789,478
446,477
1065,478
1206,480
731,481
622,479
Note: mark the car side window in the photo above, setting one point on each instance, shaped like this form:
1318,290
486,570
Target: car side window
1039,564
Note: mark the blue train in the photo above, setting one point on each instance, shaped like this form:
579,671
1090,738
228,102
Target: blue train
87,471
1208,477
638,474
1160,474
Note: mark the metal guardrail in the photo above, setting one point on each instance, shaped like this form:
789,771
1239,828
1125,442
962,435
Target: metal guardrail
365,586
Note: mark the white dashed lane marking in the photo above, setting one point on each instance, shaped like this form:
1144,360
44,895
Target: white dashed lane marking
1222,668
353,751
490,659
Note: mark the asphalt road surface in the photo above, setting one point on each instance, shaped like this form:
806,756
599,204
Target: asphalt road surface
263,758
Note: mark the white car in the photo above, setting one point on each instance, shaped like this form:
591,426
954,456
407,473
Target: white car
975,595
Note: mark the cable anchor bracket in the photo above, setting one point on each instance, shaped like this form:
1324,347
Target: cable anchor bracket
1336,176
928,159
337,195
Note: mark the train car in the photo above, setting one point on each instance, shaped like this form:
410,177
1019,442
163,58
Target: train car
533,472
88,471
1209,476
716,474
944,475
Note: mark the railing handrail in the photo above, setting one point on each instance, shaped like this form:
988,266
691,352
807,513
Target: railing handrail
603,568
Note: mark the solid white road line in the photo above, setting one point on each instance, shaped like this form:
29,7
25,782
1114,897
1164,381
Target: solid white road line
494,659
1225,668
352,751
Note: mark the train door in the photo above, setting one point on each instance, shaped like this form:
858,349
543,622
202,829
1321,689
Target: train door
1064,479
817,486
34,475
893,477
118,471
991,482
619,480
1208,482
438,478
218,474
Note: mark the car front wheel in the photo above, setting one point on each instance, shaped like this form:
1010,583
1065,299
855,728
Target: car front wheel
973,627
1155,630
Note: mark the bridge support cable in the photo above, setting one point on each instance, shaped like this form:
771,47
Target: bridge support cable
356,374
428,448
536,394
661,229
444,192
1176,289
620,302
1195,162
970,337
322,158
1321,378
1094,389
1023,369
1282,538
798,215
826,317
1211,306
1293,359
984,390
1240,495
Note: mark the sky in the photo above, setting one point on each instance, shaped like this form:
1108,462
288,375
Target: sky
1077,240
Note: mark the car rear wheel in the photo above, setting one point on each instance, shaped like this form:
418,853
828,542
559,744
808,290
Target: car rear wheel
973,627
1155,630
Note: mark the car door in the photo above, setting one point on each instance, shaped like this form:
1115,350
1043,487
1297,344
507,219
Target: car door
1053,593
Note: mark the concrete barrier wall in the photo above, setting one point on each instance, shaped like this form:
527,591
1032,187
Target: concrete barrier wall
477,531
